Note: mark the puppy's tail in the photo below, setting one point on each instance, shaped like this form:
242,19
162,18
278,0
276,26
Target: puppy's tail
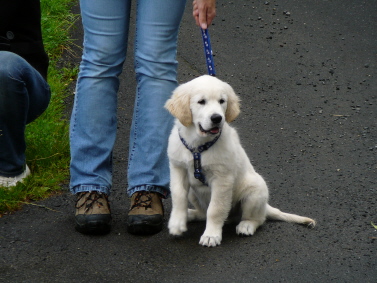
275,214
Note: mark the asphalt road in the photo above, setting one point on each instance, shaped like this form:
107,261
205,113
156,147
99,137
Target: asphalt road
306,73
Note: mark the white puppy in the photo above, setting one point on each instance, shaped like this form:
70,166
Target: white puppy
203,142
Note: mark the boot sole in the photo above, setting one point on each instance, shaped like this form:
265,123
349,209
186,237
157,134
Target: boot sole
94,225
144,229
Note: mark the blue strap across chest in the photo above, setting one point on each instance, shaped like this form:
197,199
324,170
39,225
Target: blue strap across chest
196,153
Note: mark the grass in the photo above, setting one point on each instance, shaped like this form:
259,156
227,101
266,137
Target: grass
47,153
374,225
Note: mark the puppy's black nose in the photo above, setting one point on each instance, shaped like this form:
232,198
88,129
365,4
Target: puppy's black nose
216,118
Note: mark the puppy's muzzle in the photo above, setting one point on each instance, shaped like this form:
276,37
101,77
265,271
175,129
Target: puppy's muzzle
216,121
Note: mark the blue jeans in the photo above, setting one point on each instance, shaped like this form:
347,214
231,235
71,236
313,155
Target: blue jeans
24,95
94,116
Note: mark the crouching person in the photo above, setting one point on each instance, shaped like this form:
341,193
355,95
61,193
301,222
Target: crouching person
24,92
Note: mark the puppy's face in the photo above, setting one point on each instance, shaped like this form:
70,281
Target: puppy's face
205,103
208,111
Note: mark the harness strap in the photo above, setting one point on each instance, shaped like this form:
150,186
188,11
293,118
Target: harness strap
196,153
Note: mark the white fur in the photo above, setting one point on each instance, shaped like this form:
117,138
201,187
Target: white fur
232,180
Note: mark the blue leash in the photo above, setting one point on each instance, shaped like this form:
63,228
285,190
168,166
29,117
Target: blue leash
208,52
196,152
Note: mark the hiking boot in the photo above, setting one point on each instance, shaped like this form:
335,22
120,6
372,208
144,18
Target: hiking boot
93,215
146,215
12,181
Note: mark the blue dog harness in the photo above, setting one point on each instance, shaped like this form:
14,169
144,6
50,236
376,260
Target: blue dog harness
196,153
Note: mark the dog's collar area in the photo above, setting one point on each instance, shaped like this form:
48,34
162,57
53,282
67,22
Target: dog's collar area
196,153
200,148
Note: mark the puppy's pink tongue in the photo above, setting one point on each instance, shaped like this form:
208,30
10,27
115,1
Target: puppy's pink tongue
214,130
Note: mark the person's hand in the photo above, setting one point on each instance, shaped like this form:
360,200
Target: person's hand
204,11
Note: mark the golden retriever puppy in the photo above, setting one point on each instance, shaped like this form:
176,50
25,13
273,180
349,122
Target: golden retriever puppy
209,167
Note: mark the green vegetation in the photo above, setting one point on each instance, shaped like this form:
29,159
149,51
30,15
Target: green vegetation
374,225
47,138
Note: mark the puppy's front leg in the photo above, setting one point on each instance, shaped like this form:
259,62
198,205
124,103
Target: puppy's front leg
217,213
179,187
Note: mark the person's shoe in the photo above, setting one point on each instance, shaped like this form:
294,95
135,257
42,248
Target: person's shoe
12,181
146,215
93,215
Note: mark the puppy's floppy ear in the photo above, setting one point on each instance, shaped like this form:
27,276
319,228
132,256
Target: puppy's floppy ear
179,105
233,107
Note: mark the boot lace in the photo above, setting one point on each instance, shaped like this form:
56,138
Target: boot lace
91,199
142,199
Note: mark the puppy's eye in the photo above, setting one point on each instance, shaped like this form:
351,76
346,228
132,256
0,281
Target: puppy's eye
202,101
221,101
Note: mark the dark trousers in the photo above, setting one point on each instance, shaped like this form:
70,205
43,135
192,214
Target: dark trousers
24,96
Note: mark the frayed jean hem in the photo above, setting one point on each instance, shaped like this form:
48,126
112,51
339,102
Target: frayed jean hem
90,188
165,193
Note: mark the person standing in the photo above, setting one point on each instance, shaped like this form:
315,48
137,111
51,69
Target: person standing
24,92
94,121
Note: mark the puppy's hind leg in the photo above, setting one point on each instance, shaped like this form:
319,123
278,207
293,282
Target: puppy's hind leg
253,211
198,213
253,216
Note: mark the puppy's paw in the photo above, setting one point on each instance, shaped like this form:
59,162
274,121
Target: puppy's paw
177,226
246,228
195,215
210,241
